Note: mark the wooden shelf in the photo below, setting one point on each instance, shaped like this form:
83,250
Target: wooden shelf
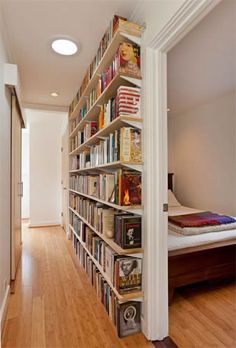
105,61
110,128
108,93
121,297
115,124
136,209
110,166
109,241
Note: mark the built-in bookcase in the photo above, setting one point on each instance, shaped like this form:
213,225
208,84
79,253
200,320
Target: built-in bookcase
105,203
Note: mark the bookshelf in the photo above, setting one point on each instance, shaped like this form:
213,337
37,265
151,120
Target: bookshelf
117,90
110,241
107,57
136,209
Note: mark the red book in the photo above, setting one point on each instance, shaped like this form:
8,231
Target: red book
130,188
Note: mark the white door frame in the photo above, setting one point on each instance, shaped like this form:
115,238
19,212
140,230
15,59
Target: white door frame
155,313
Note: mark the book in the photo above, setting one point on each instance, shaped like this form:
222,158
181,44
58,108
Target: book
127,59
109,256
130,145
130,188
127,231
128,318
107,223
128,274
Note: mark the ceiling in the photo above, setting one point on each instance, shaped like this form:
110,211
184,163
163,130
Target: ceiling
30,26
202,66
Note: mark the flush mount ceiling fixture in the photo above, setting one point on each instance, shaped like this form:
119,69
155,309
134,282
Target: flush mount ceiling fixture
65,47
54,94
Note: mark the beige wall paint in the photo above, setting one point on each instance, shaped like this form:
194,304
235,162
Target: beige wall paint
202,155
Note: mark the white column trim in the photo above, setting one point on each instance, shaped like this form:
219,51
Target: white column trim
155,312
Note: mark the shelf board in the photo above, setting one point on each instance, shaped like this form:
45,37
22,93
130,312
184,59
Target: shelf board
105,61
110,128
121,297
136,209
113,165
115,124
109,241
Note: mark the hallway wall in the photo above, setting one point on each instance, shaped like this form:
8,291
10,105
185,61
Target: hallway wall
5,126
25,173
45,132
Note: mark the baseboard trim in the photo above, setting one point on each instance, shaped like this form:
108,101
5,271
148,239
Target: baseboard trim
3,310
44,224
167,342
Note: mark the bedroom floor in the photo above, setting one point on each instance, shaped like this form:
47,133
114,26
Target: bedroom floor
204,316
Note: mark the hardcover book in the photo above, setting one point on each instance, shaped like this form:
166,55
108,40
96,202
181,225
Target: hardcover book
130,145
128,231
127,60
128,319
130,188
128,272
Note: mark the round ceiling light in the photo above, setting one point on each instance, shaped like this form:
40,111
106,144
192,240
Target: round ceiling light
64,46
54,94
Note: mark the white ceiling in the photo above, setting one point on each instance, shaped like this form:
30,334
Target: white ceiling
30,26
202,66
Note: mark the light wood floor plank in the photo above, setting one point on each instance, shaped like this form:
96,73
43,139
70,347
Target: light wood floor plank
54,305
204,316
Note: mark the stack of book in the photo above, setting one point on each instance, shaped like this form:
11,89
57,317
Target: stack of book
128,101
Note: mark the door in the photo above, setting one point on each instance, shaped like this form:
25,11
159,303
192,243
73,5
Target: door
65,181
16,186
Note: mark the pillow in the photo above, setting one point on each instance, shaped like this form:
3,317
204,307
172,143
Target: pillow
172,201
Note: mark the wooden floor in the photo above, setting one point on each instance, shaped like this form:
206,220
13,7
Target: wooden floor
54,305
204,316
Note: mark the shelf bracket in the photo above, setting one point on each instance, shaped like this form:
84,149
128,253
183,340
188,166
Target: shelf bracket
132,38
137,167
134,81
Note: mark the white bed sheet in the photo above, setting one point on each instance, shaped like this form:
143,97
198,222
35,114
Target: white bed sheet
177,241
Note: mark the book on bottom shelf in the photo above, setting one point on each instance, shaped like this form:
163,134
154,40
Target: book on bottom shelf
128,320
125,316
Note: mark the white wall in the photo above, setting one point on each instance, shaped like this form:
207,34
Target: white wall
45,130
5,122
202,155
25,173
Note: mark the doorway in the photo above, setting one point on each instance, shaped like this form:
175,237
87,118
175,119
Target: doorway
156,159
16,185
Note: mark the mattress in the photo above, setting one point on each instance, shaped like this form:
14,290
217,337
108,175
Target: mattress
177,241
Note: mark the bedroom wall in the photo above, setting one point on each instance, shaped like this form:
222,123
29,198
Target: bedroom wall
202,155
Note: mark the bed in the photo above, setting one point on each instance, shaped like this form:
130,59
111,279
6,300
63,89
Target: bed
197,258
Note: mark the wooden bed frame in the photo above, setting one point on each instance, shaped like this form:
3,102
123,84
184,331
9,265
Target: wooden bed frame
195,264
